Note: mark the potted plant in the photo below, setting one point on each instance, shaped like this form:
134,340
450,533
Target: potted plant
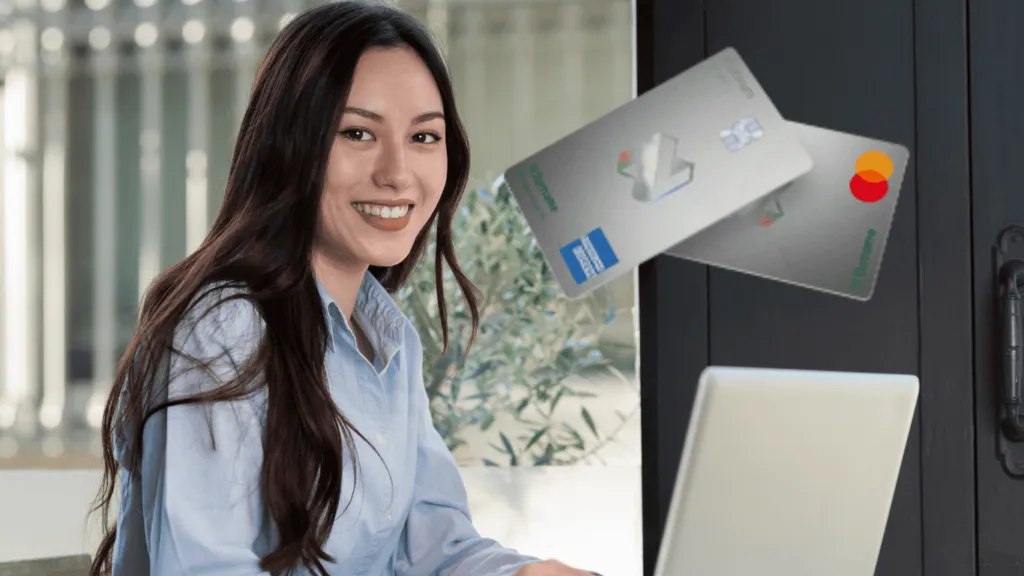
533,341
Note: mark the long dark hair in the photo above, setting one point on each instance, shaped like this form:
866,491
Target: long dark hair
262,241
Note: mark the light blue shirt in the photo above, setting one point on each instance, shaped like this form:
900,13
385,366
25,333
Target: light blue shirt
197,510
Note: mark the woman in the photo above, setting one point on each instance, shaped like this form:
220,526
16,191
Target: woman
269,416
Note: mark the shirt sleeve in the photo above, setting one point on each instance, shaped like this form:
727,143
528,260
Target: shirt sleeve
201,463
439,537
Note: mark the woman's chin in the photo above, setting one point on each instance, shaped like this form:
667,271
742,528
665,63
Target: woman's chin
388,259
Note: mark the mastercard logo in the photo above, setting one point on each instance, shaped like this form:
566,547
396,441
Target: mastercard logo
871,181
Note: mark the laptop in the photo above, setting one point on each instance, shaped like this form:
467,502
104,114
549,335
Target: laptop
654,172
787,473
826,230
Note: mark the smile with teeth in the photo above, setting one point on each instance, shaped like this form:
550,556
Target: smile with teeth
381,211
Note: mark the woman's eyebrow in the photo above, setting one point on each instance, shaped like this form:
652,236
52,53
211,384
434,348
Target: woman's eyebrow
427,117
364,113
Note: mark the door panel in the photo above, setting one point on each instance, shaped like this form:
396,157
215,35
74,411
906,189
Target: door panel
997,150
942,158
814,59
891,69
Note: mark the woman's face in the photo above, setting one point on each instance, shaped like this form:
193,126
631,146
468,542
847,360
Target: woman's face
388,163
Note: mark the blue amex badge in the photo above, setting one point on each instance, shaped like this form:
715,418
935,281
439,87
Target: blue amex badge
588,256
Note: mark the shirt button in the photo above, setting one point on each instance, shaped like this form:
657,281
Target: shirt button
382,440
389,516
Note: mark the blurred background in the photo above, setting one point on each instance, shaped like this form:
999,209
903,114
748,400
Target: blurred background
118,119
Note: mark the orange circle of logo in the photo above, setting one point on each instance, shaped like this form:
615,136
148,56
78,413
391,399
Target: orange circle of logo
870,183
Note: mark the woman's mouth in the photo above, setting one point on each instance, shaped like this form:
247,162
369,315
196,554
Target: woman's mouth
384,217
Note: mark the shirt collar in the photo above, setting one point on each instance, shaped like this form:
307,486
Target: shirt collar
377,313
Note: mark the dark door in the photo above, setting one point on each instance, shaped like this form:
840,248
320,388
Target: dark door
997,161
889,69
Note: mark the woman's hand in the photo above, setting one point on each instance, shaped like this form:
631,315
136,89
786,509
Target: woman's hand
550,568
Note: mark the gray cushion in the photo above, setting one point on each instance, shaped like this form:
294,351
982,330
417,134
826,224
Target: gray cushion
62,566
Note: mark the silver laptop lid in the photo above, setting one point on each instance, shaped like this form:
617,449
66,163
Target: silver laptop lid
787,473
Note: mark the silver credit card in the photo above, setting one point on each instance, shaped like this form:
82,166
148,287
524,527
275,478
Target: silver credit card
825,230
654,172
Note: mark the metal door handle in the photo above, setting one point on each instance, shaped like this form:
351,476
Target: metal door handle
1009,276
1012,277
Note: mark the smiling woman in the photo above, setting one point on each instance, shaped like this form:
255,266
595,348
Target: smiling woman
270,415
388,167
392,214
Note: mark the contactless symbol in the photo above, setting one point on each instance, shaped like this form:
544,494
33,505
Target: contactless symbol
741,133
870,183
655,168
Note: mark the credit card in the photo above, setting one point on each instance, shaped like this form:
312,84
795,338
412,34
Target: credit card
826,230
655,171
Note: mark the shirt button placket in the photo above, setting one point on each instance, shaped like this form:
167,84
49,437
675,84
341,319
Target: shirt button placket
382,418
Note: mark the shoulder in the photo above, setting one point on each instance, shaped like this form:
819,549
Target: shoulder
220,316
215,337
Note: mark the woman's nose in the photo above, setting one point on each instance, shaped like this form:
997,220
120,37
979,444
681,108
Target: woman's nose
392,170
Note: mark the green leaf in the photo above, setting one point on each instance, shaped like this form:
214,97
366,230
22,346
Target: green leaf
577,439
590,421
554,401
582,394
545,459
522,405
490,463
537,436
508,445
487,421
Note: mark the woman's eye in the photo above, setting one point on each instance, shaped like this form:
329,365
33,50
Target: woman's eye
426,138
357,135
